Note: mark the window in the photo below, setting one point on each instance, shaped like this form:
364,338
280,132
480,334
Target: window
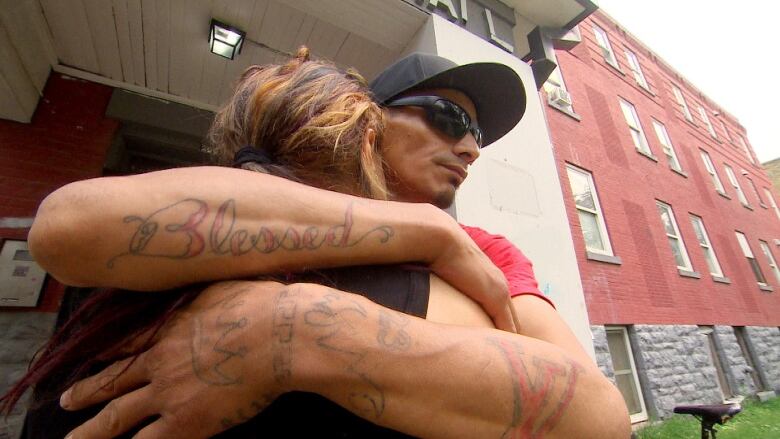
747,354
723,383
706,246
666,145
711,170
755,189
770,259
606,49
674,237
772,202
737,187
633,64
557,94
746,150
625,372
706,119
743,244
637,135
726,130
681,102
594,230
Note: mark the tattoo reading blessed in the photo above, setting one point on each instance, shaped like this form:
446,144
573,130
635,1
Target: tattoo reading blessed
180,231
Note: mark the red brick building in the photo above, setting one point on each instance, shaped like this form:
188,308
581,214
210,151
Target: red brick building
674,221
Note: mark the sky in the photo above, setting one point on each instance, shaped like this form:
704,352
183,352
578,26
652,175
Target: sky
727,49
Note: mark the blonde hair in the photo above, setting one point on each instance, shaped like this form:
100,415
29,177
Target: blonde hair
310,118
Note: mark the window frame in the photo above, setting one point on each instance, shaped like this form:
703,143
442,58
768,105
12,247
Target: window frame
671,156
735,184
635,126
599,213
772,202
706,119
678,95
709,251
683,249
559,83
746,150
641,415
744,245
602,40
709,166
770,258
636,69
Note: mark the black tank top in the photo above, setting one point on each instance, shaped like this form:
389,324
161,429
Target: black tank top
296,414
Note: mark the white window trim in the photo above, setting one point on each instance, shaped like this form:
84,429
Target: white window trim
602,225
746,150
641,416
677,236
709,252
706,119
681,102
666,144
635,125
602,40
770,258
636,68
748,253
552,84
755,189
735,183
710,167
772,202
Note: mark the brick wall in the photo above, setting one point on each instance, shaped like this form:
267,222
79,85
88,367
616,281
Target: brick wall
646,287
66,141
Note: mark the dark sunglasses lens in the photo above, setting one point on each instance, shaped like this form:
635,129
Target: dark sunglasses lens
450,119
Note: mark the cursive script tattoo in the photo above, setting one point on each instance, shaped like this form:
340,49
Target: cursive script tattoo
211,358
333,317
282,334
542,390
391,332
180,231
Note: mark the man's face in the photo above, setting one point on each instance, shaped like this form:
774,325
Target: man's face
426,165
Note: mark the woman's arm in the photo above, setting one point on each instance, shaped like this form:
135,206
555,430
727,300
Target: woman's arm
422,378
169,228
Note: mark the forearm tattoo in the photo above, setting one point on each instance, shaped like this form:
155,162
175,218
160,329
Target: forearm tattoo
542,390
183,230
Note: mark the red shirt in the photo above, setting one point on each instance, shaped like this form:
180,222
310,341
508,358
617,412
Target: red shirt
517,268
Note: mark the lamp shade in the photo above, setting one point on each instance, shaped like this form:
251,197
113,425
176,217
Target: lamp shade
225,40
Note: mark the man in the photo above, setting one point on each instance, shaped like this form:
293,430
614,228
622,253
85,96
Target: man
428,160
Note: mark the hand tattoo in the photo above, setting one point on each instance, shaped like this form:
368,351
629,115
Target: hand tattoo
183,221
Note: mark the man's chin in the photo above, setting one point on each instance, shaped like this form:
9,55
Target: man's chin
444,199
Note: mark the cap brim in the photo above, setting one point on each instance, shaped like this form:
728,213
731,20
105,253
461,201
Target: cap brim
496,90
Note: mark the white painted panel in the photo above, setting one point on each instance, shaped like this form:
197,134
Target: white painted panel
100,16
284,28
521,161
326,39
136,26
15,76
163,43
123,40
68,24
150,34
366,56
256,21
189,45
23,22
388,23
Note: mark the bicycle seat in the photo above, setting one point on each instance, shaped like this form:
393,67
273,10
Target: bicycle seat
715,412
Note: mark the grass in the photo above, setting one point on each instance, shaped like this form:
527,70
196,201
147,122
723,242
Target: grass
757,421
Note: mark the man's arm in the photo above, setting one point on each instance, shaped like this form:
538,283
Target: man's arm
398,371
169,228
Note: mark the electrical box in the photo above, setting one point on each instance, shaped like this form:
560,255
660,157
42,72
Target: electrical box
21,278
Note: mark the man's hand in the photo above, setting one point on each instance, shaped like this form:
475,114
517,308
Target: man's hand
464,266
206,354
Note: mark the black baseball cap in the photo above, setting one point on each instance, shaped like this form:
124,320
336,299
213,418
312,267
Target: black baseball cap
496,90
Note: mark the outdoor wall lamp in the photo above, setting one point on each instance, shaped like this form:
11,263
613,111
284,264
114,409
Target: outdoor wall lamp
224,40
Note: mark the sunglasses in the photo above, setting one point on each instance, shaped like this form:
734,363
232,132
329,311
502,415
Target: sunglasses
446,116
